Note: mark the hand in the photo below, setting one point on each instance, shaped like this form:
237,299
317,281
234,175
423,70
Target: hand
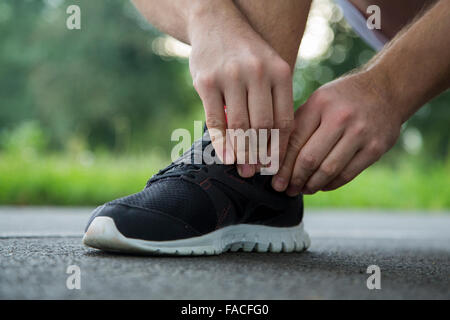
232,65
343,128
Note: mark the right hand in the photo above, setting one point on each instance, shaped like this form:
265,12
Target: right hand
232,65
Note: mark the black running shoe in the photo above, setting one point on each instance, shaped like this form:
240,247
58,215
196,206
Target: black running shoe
189,209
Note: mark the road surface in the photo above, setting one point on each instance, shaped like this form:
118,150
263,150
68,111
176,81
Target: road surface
412,250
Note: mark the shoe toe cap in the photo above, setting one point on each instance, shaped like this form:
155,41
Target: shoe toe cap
144,224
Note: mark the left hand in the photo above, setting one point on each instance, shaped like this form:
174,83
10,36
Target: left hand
343,128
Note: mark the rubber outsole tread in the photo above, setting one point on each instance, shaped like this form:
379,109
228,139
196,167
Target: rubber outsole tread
103,234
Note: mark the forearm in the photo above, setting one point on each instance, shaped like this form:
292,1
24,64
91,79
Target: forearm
184,19
415,67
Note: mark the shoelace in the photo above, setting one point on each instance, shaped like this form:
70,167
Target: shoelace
180,167
177,170
184,167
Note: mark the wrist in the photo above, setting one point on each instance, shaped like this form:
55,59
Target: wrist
399,101
203,16
220,19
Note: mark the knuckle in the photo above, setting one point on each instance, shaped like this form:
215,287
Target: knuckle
294,142
329,169
360,128
256,67
344,115
205,81
282,70
264,124
238,123
319,98
213,122
286,125
308,162
376,148
296,181
232,70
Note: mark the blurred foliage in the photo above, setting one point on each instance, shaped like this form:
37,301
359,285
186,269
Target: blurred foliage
85,180
72,99
28,137
102,84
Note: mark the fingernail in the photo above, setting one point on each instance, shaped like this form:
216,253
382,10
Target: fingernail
279,183
247,170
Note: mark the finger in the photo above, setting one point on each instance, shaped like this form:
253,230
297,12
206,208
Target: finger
260,113
333,164
238,121
283,114
306,122
311,156
363,159
268,152
216,122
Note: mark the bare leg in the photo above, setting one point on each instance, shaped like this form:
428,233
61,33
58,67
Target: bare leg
280,23
243,56
394,14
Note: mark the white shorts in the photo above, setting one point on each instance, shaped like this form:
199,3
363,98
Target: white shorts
358,22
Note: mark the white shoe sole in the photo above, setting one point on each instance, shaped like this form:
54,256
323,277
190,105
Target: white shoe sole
103,234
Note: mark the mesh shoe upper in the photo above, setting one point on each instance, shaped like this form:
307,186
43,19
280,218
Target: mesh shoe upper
187,200
177,197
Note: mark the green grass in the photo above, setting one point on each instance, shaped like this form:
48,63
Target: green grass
409,186
62,180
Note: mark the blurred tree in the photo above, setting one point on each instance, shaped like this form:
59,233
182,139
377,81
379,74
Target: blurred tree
102,83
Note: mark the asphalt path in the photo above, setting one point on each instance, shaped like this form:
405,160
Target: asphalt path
412,250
